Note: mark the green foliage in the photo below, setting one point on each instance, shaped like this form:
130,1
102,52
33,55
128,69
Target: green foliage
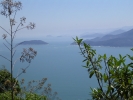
5,82
116,82
28,96
7,96
33,96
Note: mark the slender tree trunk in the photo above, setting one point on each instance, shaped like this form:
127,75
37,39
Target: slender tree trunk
11,69
11,59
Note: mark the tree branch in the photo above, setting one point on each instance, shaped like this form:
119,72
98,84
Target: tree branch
5,58
19,29
23,70
7,41
14,53
90,59
15,14
15,62
16,30
5,30
7,47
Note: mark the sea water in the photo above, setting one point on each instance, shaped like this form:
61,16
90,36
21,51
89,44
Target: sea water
61,64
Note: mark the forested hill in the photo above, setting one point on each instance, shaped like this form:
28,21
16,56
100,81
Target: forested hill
33,42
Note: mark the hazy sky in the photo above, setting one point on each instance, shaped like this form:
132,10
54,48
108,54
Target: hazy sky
64,17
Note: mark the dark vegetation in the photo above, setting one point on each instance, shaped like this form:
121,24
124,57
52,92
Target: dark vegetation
5,82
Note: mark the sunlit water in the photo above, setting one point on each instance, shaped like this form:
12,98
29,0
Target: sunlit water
62,64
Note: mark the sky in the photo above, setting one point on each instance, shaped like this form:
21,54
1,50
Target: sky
72,17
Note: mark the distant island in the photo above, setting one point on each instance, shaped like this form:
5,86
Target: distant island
32,42
124,39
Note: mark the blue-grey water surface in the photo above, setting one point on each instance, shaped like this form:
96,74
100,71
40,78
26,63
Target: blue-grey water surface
62,64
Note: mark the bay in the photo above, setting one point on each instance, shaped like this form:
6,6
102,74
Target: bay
61,63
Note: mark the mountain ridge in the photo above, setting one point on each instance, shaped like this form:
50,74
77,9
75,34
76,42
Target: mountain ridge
124,39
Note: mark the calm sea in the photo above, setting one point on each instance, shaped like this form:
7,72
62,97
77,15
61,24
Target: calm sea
61,64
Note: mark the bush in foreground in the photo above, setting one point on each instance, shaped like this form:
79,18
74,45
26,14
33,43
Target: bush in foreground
114,75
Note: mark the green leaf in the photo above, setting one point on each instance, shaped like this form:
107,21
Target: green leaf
85,45
79,41
99,58
87,63
132,49
120,56
105,78
130,57
104,56
84,60
129,81
85,66
91,73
